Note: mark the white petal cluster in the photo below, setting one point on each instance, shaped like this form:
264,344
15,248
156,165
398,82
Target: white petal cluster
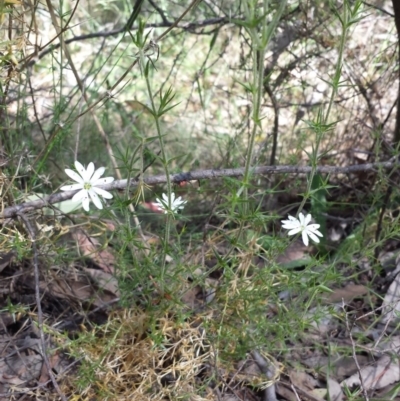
88,181
176,203
301,225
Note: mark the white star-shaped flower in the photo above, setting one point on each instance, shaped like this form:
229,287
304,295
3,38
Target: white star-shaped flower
302,225
176,203
87,181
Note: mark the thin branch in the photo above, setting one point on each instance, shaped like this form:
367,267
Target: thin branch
13,211
33,58
382,10
275,132
160,12
191,6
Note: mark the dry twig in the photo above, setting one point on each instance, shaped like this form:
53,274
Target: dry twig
13,211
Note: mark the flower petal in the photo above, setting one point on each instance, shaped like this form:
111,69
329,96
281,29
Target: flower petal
102,192
288,225
102,181
95,198
307,219
313,237
72,187
305,237
80,169
79,195
75,176
85,202
89,172
295,231
160,204
97,174
316,232
292,222
314,229
178,203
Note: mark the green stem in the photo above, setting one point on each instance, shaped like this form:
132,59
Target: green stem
324,118
165,165
258,52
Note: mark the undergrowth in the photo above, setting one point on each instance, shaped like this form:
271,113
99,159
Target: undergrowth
201,288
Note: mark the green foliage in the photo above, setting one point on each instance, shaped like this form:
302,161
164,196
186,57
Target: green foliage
227,241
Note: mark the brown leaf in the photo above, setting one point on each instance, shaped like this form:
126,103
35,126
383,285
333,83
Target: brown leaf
295,251
302,380
104,280
90,247
80,288
54,361
347,293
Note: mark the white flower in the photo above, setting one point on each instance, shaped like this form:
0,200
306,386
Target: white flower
87,181
301,225
176,203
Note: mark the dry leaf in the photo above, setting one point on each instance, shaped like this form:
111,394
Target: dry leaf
295,251
391,302
389,345
335,391
72,289
285,393
319,394
383,373
347,293
302,380
105,280
192,299
90,247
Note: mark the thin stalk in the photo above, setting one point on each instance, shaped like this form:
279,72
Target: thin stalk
258,52
325,118
165,165
338,71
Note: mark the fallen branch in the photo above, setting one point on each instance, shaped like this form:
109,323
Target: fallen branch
13,211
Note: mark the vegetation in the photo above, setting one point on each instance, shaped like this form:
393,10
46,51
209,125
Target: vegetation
182,277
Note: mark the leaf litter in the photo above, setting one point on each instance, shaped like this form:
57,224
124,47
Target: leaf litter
182,358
